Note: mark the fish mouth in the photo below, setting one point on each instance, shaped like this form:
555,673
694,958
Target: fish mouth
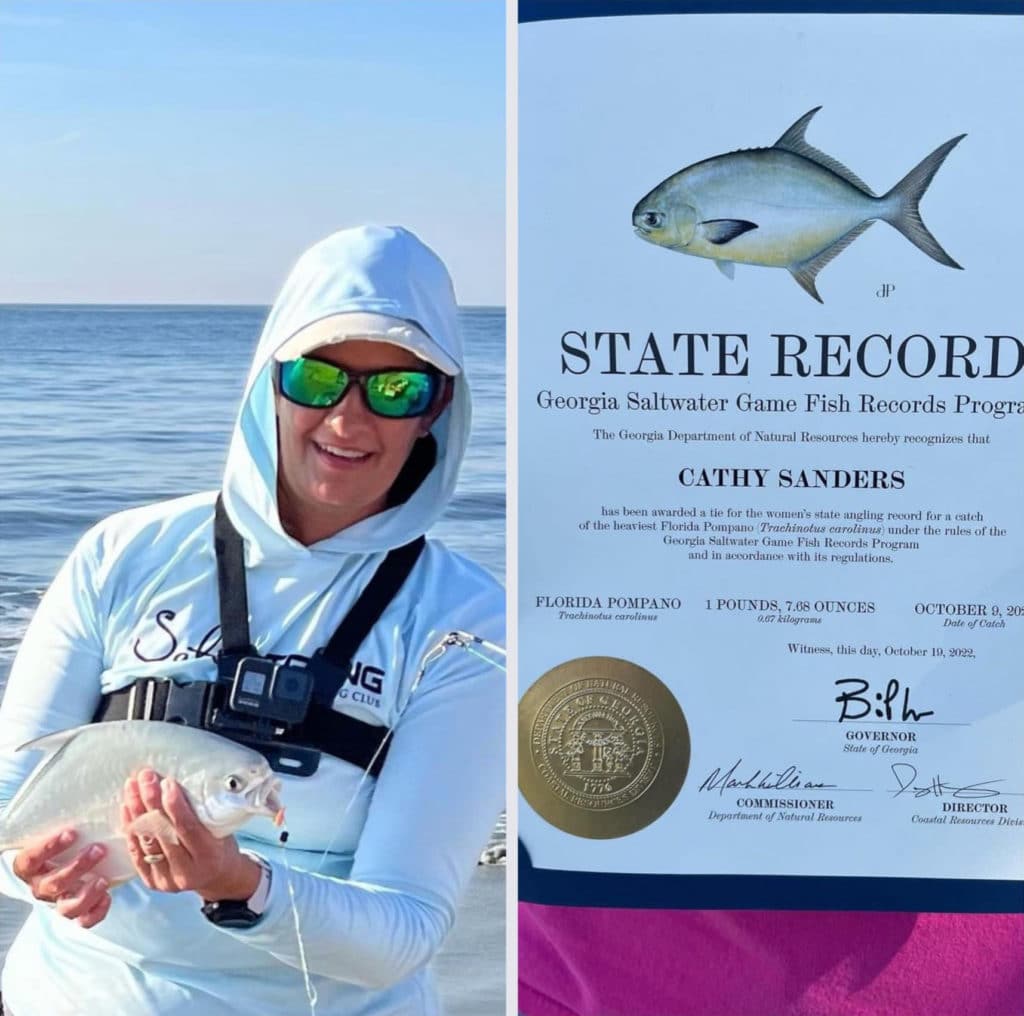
645,219
266,800
637,218
645,234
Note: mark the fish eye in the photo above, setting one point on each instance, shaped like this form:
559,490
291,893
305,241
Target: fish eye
233,783
652,218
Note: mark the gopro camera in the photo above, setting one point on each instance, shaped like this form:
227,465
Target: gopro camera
269,690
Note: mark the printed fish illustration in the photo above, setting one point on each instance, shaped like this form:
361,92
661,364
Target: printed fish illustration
789,206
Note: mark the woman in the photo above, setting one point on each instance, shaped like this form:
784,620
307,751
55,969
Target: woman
348,443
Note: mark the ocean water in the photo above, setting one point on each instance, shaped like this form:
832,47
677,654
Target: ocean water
108,407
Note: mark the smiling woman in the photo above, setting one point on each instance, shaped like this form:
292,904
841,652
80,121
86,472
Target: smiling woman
333,612
341,449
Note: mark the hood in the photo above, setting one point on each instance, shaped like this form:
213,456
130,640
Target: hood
368,270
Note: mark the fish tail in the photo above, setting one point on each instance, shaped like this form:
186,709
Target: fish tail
904,199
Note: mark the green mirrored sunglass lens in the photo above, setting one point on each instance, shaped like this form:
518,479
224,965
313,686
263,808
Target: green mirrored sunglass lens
400,393
313,383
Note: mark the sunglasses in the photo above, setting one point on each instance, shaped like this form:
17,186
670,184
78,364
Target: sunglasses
394,393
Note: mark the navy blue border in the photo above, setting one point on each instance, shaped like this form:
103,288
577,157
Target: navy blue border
565,10
766,892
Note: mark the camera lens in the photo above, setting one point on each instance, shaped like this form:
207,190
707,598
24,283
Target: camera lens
291,686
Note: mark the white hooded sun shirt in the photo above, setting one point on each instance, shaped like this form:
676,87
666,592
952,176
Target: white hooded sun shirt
138,598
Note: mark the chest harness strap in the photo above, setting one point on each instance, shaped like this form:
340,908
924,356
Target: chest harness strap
291,747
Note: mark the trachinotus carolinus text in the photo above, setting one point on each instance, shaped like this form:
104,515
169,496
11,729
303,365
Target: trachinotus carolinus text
789,206
80,783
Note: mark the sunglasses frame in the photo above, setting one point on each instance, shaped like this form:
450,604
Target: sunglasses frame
359,378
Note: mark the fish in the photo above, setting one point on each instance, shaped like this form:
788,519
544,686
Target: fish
80,782
788,206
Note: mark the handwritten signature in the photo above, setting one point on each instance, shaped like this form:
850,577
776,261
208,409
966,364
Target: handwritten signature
789,778
906,775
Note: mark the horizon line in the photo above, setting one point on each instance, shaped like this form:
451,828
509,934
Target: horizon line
139,303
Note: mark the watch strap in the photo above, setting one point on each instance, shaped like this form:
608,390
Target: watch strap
242,913
230,914
257,903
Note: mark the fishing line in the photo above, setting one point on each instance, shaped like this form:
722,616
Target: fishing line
459,639
480,656
311,993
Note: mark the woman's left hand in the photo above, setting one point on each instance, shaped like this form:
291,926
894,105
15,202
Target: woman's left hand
213,867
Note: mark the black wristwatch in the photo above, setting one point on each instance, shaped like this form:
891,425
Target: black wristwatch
242,913
231,914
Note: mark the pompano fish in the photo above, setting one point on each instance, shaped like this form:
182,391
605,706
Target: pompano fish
80,783
788,206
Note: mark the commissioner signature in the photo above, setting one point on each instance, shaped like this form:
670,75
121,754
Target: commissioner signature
790,778
906,775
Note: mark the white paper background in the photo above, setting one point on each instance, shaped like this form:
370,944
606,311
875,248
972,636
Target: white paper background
607,109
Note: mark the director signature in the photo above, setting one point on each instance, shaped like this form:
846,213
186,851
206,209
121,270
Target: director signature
789,778
906,774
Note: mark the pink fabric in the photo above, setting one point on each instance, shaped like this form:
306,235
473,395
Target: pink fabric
605,962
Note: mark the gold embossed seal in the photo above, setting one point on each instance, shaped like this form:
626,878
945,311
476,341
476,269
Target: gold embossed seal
603,747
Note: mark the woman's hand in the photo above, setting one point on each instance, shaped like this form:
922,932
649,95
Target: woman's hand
74,888
199,861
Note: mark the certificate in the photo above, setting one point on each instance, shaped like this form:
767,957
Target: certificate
771,480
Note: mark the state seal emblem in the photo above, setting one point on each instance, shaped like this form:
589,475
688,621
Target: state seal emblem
603,747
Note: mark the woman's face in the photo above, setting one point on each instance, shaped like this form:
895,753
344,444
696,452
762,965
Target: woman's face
336,466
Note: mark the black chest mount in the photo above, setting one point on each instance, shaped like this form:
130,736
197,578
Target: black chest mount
281,707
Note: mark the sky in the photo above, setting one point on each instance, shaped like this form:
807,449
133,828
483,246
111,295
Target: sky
187,151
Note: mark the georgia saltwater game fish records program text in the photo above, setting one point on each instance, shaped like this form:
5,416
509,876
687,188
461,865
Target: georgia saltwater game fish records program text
789,355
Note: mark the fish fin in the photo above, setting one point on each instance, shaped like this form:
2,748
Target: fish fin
154,823
793,141
54,743
727,268
905,197
719,231
806,280
806,272
795,135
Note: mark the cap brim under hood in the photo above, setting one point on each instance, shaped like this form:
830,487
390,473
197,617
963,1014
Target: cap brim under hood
372,270
338,328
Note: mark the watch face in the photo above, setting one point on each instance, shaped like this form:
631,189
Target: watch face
231,914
